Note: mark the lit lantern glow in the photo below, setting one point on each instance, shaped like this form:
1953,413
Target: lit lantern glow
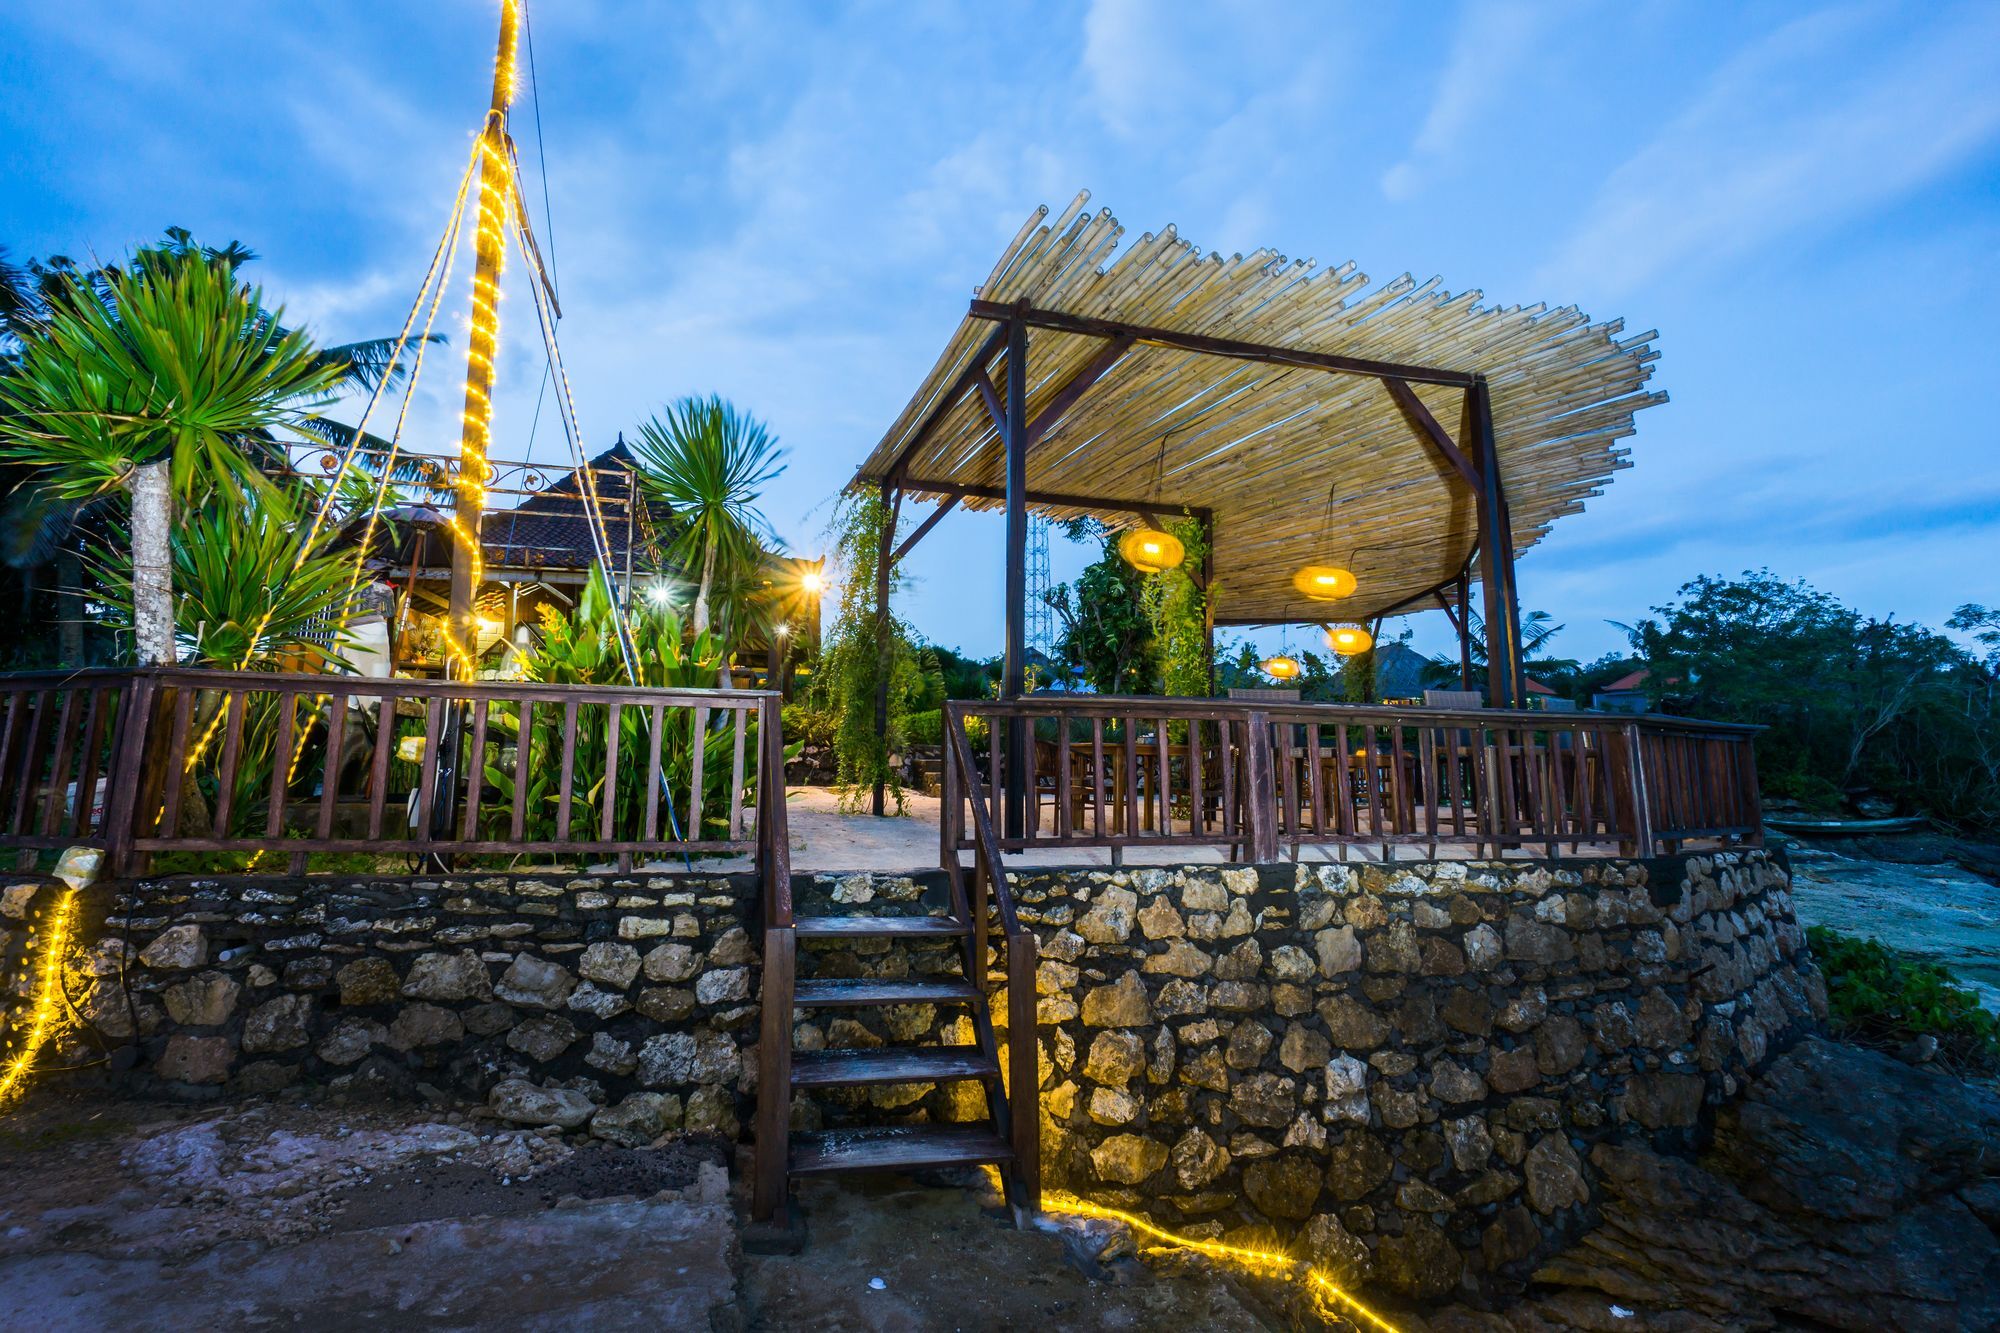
1349,640
1281,667
1151,551
813,582
1323,583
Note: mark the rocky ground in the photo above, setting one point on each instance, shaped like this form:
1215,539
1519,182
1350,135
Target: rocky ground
1845,1191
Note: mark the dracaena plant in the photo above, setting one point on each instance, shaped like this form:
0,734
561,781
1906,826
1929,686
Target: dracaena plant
164,378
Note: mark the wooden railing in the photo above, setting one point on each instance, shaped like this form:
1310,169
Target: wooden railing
1260,780
991,894
287,767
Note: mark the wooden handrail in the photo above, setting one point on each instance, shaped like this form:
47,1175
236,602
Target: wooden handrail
1260,777
259,737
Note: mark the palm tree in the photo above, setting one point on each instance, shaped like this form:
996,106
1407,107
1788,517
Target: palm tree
163,378
707,461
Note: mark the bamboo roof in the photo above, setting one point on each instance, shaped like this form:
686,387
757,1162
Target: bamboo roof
1296,464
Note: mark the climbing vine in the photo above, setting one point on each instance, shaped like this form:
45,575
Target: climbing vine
858,654
1179,614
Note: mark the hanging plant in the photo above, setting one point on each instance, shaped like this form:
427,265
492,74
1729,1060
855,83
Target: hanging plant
859,654
1178,611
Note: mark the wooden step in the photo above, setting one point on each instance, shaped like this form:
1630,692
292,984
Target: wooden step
864,927
866,990
896,1148
889,1064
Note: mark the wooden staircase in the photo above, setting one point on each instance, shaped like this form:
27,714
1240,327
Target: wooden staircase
1010,1135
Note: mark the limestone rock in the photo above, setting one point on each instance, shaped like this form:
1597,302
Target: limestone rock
634,1122
1180,960
1482,947
350,1041
1555,1176
1421,1263
1115,1058
1470,1142
520,1102
1123,1004
278,1025
591,999
611,1055
535,982
543,1039
1303,1049
368,981
1284,1188
448,976
613,964
1159,921
1265,1100
177,947
725,986
1198,1160
711,1109
1336,1251
1453,1082
1247,1045
196,1059
425,1025
203,1001
1127,1159
1113,1106
1356,1165
1353,1025
672,961
1109,920
1347,1089
731,948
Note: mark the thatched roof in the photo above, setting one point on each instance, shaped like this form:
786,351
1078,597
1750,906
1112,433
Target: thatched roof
1190,420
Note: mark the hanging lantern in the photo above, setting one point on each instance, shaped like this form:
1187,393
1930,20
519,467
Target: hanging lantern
1151,551
1281,667
1349,640
1323,583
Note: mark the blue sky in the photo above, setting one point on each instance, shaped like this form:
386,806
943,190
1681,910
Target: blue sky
789,205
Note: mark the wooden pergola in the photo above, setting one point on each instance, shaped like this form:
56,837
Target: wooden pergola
1298,415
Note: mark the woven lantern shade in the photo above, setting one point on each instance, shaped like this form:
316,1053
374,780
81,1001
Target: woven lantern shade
1323,583
1349,640
1151,551
1281,667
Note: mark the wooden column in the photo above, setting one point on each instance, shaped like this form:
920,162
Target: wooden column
1463,624
1208,598
892,503
1013,676
1496,559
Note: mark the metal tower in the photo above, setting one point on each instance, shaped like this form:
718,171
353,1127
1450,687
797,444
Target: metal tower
1041,627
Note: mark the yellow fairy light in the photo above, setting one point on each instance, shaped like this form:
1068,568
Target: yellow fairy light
1270,1263
47,1006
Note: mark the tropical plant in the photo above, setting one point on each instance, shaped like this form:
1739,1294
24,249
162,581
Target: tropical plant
1177,609
157,379
865,657
707,461
1537,629
582,649
1883,997
250,592
1107,634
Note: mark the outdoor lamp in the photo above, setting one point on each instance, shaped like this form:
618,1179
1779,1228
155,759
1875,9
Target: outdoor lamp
1349,640
812,581
1151,551
1281,667
1323,583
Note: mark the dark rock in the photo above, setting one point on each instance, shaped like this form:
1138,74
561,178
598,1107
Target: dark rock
1422,1263
1283,1188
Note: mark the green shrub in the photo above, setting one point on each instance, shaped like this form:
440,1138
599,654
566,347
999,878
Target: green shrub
810,726
1882,997
927,728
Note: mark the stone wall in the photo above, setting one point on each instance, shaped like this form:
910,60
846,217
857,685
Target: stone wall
1402,1068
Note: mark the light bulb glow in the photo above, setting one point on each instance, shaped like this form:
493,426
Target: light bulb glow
1349,640
1324,583
1151,551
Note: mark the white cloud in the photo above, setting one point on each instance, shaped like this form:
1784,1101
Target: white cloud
1804,127
1493,39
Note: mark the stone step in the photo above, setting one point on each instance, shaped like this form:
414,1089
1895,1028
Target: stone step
834,992
896,1148
865,927
889,1064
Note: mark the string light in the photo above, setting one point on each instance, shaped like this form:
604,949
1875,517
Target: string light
47,1006
1270,1263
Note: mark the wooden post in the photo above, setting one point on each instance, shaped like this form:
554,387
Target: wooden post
125,788
1464,627
1207,604
892,504
1024,1077
1260,793
774,1078
1496,559
1013,678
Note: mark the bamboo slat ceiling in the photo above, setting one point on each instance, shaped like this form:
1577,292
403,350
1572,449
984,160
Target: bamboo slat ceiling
1263,446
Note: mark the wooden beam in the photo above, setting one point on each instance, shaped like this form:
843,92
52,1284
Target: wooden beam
975,367
1211,346
1053,499
1428,429
930,521
1065,398
1496,545
983,381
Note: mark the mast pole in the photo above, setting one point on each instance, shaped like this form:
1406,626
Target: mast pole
490,257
